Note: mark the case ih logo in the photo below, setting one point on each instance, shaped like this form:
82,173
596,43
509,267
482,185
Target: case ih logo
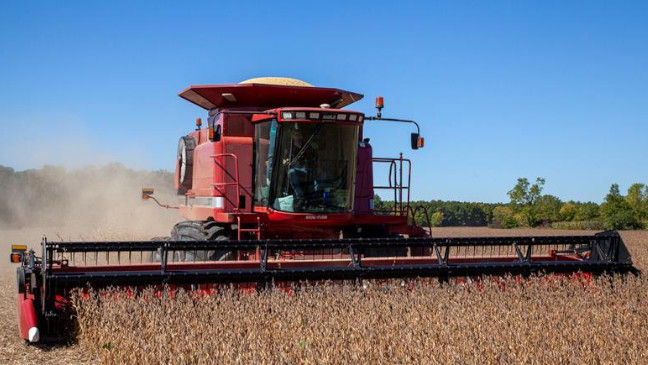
319,216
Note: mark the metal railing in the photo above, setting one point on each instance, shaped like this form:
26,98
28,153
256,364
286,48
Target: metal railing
399,186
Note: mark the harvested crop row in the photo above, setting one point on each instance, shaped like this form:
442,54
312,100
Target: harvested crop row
537,321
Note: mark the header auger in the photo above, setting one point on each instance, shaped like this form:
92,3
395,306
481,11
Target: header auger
277,188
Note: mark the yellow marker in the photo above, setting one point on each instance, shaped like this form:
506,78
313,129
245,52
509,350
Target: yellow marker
18,247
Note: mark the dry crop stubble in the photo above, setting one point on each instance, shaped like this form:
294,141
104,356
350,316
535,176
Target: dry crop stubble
532,322
538,322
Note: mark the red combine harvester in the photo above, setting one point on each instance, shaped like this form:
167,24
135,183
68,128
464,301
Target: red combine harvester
278,188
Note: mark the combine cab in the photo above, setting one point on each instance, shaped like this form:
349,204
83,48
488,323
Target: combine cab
276,189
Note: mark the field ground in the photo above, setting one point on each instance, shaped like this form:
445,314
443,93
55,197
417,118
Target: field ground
559,322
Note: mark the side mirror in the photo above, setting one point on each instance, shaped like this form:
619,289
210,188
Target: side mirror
215,133
146,193
417,141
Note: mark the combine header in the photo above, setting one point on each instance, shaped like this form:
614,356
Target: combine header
276,189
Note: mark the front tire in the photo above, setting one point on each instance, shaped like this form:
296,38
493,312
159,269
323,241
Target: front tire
376,232
200,231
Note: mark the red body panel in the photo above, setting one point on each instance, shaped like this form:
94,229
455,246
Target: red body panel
267,96
26,314
204,171
364,193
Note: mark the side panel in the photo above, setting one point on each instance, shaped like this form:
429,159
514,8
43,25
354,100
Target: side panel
364,194
238,138
215,175
225,172
217,167
203,169
203,201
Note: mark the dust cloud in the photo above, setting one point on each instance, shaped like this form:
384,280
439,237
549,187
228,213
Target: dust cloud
84,203
89,201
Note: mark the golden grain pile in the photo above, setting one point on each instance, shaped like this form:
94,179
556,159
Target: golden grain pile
540,321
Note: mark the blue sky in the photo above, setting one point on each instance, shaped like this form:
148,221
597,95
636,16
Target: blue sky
502,90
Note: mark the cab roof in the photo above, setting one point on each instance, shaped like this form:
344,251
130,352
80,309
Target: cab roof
252,94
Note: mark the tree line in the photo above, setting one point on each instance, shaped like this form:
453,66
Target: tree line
529,207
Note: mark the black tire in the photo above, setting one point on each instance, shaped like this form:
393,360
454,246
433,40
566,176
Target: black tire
186,147
161,238
200,231
386,252
155,256
376,232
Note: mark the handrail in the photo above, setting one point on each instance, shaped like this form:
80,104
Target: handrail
401,207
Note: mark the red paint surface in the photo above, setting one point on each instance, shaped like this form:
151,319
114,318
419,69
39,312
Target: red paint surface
268,96
26,314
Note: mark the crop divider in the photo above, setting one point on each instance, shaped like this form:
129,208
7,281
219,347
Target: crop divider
355,259
523,258
164,253
443,261
263,257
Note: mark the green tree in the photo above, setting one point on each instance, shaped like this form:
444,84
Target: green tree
637,198
523,193
379,204
524,196
546,209
587,211
617,212
524,216
504,217
568,212
437,218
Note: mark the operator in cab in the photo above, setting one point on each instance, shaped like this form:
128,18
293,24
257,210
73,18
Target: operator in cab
300,160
